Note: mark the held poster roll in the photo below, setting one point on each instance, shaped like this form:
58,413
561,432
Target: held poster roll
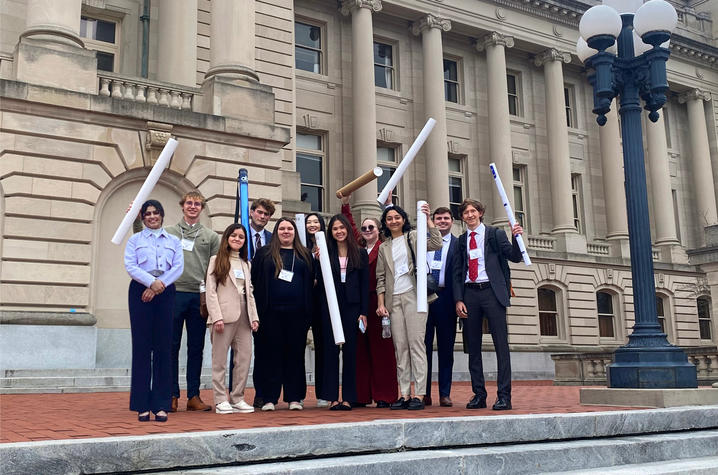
162,161
354,185
422,303
329,289
300,221
244,205
509,212
406,161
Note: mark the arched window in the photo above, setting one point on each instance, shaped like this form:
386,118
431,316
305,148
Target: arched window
606,314
704,318
548,312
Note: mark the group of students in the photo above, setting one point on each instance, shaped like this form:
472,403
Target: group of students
277,294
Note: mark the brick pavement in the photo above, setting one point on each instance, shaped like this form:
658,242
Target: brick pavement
32,417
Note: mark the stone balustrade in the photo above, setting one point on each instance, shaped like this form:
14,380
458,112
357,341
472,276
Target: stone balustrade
589,369
542,243
598,249
150,92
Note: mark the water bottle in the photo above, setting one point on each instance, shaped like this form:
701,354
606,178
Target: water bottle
202,287
385,327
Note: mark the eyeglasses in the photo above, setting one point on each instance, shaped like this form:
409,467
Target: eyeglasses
367,228
194,203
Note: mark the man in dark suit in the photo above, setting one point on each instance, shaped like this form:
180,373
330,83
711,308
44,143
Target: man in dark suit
482,290
442,314
260,212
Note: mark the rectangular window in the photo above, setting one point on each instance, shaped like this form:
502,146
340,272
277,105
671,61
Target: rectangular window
102,37
310,165
577,199
386,159
667,126
570,101
674,195
548,313
307,47
519,203
514,87
660,311
456,184
606,317
704,318
384,74
452,85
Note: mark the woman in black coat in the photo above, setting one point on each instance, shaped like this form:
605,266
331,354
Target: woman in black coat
350,271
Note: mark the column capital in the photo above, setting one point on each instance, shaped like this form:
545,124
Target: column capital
552,54
494,39
347,7
430,21
694,94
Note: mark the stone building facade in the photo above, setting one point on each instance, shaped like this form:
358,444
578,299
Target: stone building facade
307,95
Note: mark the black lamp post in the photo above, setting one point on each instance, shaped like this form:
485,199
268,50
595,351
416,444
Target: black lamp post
637,72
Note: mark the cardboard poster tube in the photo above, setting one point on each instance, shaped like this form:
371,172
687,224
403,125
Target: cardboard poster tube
162,161
509,212
422,302
329,288
354,185
300,221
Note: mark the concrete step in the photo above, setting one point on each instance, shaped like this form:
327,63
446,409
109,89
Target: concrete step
696,466
498,444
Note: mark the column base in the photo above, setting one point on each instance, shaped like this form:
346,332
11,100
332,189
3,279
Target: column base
651,367
55,64
620,247
571,242
673,253
239,97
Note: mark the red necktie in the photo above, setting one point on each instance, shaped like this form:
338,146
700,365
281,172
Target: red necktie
473,263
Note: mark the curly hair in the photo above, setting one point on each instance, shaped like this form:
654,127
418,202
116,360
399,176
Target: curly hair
407,225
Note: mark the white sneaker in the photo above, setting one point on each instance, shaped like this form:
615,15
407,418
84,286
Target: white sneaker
268,407
242,407
295,406
322,403
224,408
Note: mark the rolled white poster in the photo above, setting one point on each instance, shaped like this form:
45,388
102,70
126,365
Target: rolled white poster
422,303
329,289
162,161
509,212
406,161
299,220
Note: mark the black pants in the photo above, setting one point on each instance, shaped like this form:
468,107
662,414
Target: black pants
186,314
279,355
329,388
482,303
151,329
442,321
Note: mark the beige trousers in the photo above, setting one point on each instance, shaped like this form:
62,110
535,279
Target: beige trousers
408,328
238,336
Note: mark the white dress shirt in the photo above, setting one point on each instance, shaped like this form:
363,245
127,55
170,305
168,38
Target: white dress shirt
445,243
480,234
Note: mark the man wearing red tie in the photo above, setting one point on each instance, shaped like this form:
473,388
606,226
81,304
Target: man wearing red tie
482,290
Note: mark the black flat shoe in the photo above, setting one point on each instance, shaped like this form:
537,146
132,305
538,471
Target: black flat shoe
415,404
335,406
344,406
502,404
476,403
400,403
382,404
143,416
160,418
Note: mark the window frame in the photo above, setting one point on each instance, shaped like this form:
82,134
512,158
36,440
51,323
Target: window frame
517,95
667,326
393,67
460,175
104,46
569,93
521,184
322,155
709,319
322,53
577,202
384,165
459,80
616,315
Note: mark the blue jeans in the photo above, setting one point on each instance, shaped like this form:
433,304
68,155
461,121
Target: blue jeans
186,312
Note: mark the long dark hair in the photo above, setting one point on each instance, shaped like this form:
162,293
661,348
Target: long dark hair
275,246
354,259
407,225
157,205
309,238
222,266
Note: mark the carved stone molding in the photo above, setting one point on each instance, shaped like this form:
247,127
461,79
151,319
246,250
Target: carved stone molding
558,33
500,14
494,39
552,54
385,135
310,121
453,147
694,94
428,22
158,134
349,6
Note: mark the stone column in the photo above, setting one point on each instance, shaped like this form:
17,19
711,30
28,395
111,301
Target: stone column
613,180
363,98
177,48
232,39
701,158
499,121
558,152
50,51
437,161
660,177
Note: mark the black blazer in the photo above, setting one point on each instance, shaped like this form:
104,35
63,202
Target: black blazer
262,274
510,250
356,287
451,261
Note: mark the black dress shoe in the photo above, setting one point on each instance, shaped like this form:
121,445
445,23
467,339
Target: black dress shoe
400,403
476,403
358,404
502,404
143,416
382,404
160,417
258,402
416,404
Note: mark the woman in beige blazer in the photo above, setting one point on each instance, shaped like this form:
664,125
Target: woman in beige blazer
232,316
396,296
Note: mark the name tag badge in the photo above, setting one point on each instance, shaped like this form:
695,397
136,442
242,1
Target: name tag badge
344,276
286,275
435,265
474,254
238,274
187,245
402,269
